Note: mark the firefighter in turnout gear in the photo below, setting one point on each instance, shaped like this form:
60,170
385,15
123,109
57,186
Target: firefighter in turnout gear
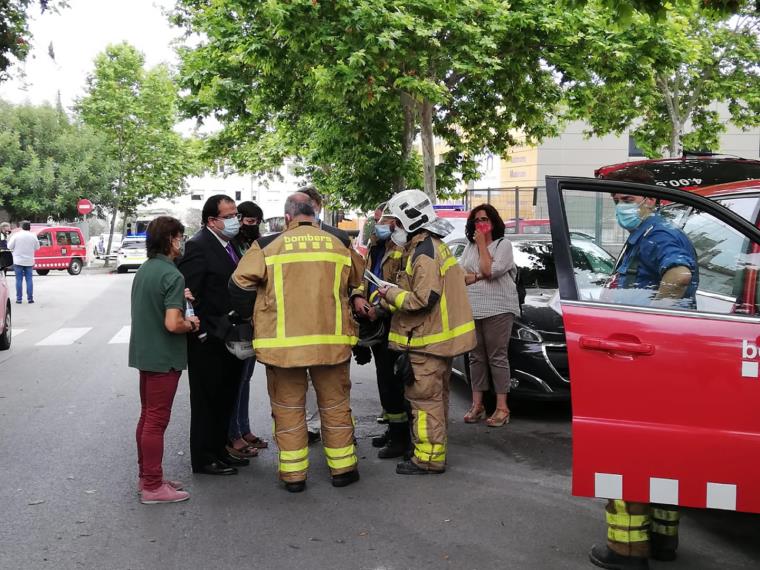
383,261
431,324
300,281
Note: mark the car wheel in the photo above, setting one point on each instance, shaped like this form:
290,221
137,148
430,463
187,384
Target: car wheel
5,338
121,269
42,271
75,267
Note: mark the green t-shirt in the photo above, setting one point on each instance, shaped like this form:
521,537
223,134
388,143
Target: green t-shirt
158,286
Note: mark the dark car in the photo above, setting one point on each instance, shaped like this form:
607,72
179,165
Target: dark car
537,349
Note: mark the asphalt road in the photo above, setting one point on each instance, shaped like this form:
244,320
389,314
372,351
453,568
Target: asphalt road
68,409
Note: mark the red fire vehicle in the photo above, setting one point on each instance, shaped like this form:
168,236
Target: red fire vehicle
61,247
665,397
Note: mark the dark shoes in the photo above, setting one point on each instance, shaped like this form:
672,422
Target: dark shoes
603,557
295,486
314,437
409,467
393,449
234,461
216,468
345,479
381,440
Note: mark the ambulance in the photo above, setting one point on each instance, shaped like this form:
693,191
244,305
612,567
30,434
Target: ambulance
665,399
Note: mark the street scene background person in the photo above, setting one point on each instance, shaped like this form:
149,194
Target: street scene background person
487,261
383,261
432,324
207,264
243,443
658,260
23,244
158,349
300,281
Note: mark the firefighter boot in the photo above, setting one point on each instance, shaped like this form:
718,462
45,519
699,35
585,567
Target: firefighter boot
603,557
664,534
398,442
381,440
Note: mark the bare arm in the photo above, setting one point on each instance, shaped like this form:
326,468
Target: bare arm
176,323
674,283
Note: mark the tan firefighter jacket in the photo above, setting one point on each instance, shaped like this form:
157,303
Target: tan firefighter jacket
433,312
302,279
389,265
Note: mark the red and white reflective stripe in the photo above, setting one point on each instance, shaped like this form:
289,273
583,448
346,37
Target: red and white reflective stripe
665,491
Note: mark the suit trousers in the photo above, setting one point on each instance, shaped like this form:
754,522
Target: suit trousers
389,385
214,379
287,393
429,399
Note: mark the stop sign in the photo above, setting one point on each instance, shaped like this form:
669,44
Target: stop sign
84,206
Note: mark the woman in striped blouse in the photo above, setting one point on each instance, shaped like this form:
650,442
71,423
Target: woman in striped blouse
489,265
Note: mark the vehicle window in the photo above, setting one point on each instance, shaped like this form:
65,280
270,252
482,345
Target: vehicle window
73,238
44,239
536,264
133,245
747,207
62,238
676,257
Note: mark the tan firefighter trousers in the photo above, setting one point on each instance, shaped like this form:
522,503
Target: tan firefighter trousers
429,400
287,393
633,529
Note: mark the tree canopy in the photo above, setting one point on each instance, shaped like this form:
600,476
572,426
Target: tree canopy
14,30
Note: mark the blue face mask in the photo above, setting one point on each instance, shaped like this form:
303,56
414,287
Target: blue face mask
382,231
231,227
628,216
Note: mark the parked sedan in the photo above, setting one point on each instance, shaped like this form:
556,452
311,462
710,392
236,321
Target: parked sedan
537,349
131,255
6,260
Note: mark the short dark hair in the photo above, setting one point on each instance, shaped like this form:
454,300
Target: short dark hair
497,223
159,235
312,193
211,207
297,206
632,174
26,225
250,210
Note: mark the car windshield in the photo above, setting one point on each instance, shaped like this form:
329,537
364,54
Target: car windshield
133,245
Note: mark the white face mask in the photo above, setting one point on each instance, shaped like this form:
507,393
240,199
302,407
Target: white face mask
399,236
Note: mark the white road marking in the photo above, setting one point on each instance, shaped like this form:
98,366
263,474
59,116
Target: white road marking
121,337
64,336
16,332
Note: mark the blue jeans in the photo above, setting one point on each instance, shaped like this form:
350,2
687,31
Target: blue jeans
24,271
239,420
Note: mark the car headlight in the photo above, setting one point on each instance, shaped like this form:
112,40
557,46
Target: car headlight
527,334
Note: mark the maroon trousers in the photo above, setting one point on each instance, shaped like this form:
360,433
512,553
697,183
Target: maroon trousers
157,391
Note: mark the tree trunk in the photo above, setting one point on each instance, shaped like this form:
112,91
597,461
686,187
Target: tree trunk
428,149
110,235
407,139
675,149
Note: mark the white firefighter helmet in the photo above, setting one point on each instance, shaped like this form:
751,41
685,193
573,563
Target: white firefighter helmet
412,208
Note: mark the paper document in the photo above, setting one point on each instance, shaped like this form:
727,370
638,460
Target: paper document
369,276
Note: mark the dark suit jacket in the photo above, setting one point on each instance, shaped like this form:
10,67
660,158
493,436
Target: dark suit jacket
207,268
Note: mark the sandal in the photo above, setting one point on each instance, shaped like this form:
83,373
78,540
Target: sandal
498,418
255,441
243,453
474,414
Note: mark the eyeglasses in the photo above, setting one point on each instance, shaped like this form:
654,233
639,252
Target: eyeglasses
482,219
229,217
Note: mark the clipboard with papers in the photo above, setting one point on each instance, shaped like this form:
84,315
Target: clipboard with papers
372,278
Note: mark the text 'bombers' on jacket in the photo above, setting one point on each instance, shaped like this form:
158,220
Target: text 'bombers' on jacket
302,278
433,313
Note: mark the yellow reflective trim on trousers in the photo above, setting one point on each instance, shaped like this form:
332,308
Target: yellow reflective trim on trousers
336,297
294,455
293,467
307,257
448,264
341,463
626,520
433,338
665,529
399,301
434,448
279,296
308,340
336,452
422,430
444,314
666,514
627,536
430,457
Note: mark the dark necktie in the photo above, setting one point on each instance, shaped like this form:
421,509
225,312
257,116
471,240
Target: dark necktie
232,254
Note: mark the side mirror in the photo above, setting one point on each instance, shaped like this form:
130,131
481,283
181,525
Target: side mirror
6,259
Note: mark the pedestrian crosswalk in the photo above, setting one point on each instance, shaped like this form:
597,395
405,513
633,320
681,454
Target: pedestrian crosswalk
66,336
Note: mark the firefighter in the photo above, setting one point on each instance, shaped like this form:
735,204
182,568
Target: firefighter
658,265
432,324
296,284
383,261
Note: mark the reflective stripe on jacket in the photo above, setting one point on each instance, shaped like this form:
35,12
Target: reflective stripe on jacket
390,265
302,277
433,313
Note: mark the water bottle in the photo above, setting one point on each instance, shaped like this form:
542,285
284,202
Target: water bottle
190,312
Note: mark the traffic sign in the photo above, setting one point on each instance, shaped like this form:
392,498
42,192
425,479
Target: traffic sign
84,206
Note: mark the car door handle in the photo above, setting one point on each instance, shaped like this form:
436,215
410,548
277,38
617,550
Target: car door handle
607,345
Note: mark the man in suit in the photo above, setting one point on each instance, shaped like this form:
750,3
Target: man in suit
207,264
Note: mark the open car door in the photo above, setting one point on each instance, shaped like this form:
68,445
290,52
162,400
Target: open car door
665,393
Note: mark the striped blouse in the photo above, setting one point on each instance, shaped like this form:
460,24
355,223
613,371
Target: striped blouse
497,295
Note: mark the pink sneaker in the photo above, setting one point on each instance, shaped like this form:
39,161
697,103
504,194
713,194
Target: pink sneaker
164,494
176,485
